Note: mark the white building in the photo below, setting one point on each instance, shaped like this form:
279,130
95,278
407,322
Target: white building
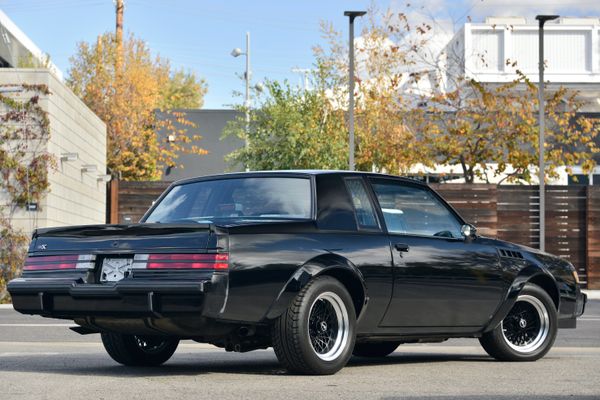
486,52
17,49
77,142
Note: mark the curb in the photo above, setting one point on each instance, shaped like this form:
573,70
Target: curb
592,294
6,307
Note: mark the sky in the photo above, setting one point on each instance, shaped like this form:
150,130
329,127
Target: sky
198,35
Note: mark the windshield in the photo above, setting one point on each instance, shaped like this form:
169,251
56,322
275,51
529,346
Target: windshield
236,199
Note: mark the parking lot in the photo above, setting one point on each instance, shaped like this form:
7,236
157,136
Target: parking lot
43,359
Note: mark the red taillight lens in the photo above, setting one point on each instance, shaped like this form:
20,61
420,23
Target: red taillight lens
48,263
188,261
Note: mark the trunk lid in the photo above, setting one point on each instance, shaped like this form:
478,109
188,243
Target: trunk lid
134,238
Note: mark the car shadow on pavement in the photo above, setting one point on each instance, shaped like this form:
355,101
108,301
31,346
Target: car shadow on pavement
417,358
190,364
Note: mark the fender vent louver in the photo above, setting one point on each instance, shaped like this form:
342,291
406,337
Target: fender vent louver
510,254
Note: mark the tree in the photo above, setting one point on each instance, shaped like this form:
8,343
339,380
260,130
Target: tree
125,90
414,108
292,129
387,139
492,130
24,166
182,90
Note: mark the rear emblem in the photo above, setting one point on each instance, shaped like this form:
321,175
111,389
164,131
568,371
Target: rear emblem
42,246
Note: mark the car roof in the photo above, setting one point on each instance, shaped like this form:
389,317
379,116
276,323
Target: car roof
295,172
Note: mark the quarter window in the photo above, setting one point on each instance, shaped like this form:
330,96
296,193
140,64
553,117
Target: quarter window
413,210
365,213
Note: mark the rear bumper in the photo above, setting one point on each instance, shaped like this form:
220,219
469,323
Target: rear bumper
127,298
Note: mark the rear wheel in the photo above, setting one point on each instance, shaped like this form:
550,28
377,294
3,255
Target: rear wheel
375,349
139,350
527,333
316,334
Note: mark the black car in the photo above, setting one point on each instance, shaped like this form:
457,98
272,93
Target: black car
319,265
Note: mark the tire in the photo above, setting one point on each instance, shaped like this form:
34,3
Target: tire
528,332
139,350
375,349
316,334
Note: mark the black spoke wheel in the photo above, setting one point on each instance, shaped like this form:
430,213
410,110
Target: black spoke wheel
526,325
528,331
316,333
328,326
139,350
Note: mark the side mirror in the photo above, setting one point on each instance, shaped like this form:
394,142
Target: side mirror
468,231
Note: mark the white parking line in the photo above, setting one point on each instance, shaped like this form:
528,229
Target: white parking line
25,354
38,325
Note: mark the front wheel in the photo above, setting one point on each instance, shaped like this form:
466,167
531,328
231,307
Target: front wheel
317,332
139,350
527,333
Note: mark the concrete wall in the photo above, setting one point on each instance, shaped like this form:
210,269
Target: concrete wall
75,197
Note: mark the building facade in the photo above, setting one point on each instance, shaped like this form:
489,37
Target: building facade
77,141
209,124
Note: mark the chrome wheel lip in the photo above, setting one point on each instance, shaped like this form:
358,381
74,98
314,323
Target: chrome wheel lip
343,324
543,331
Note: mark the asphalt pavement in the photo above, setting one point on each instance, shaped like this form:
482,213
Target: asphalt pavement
42,359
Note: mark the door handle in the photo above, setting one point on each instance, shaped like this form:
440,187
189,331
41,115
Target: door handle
401,247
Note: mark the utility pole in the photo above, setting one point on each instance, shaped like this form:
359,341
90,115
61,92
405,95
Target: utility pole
351,15
542,124
119,8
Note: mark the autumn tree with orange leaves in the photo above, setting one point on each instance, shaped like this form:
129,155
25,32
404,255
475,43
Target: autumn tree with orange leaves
413,109
125,91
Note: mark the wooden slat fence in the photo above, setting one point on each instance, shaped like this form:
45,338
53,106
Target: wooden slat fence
506,212
593,237
130,200
475,203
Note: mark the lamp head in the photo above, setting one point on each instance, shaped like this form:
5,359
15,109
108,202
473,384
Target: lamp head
104,178
89,168
69,156
236,52
543,18
354,14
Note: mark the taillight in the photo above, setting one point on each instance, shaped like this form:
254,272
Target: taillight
187,261
49,263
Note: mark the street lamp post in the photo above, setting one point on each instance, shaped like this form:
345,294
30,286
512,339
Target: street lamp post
351,15
542,124
247,77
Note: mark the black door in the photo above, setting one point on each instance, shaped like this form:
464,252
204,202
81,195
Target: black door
441,279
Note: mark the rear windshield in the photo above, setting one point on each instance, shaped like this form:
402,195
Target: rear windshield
264,198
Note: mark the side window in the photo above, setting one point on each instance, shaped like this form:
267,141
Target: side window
365,213
414,210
